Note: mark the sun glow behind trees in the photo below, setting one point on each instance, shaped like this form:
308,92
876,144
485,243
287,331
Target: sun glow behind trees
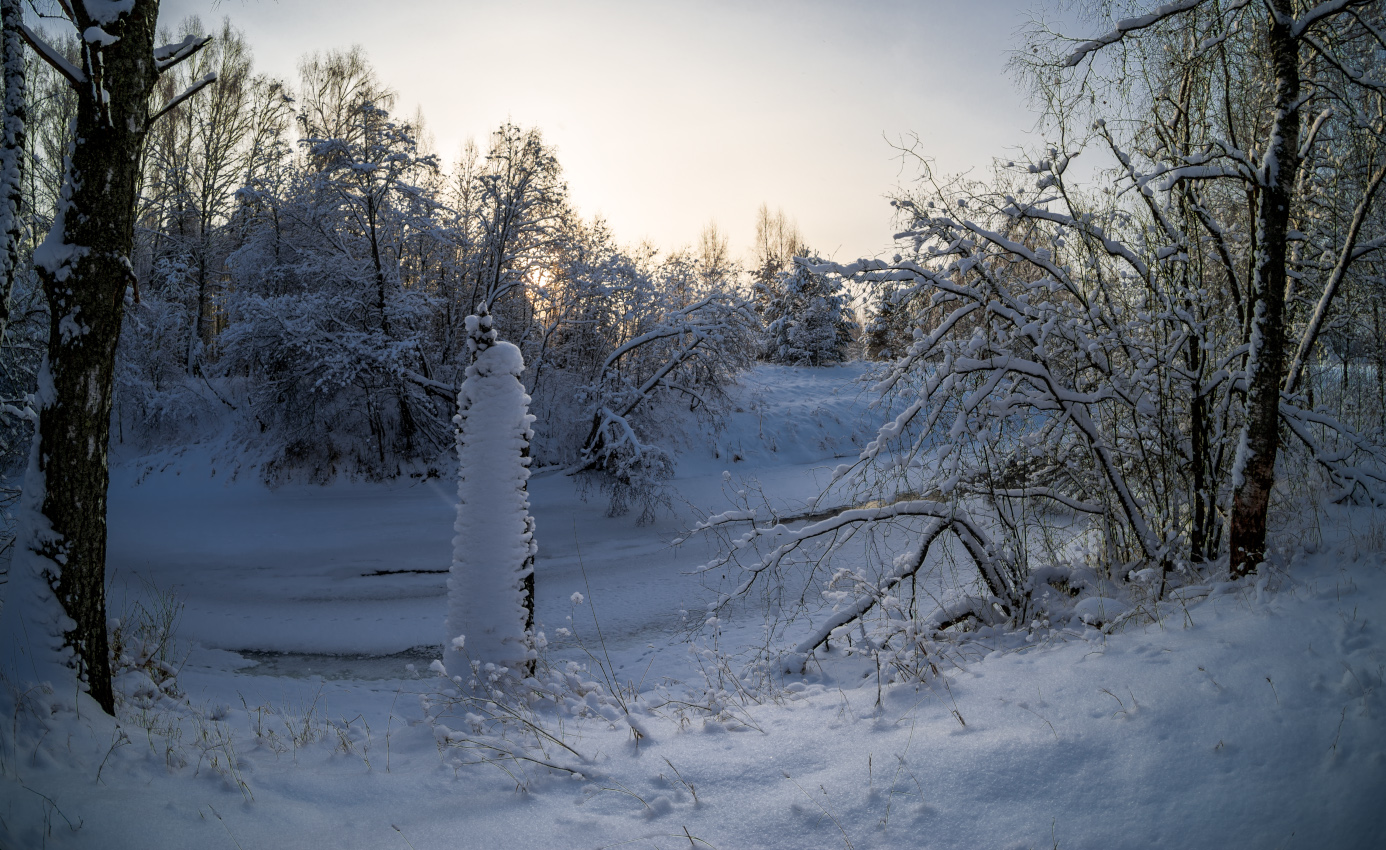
666,115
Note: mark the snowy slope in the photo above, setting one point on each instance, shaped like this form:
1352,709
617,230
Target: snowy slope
1251,717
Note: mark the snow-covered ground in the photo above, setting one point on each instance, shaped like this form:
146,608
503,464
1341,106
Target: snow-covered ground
1253,716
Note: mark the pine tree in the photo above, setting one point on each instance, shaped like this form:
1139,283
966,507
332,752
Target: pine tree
807,320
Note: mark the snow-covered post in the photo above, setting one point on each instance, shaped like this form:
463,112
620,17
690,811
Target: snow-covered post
491,584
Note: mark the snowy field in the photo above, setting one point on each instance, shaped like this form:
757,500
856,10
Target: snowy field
1251,715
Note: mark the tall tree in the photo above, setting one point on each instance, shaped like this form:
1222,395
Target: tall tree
332,86
522,201
16,110
57,585
777,243
1304,73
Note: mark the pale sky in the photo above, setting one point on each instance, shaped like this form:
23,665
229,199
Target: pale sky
666,115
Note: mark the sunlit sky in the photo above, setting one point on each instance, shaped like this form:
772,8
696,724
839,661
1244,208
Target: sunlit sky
667,115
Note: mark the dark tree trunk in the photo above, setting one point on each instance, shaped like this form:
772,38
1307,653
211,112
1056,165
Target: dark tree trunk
84,269
1380,362
1254,469
1200,425
16,114
200,334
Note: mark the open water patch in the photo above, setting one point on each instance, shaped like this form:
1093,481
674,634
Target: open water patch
307,665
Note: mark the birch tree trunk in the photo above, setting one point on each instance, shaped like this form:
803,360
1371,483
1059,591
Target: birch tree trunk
1253,473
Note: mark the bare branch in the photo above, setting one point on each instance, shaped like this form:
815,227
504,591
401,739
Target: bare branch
1345,258
211,77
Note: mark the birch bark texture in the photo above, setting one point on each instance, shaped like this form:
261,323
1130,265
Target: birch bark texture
1253,470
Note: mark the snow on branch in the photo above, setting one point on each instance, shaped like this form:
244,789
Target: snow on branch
171,54
1130,25
1050,493
672,327
1337,464
1312,135
990,567
1323,12
1340,269
438,388
107,11
906,565
704,321
1376,85
49,54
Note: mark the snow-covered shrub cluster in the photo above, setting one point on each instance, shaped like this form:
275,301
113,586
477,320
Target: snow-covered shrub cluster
145,658
490,716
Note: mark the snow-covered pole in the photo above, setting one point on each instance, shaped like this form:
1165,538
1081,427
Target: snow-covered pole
490,617
481,331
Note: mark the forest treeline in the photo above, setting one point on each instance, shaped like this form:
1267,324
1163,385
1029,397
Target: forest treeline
304,265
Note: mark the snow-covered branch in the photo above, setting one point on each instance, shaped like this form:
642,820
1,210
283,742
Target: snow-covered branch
169,55
1130,25
1323,12
49,54
1340,270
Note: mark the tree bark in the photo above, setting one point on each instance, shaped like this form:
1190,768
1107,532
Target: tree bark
16,113
84,267
1253,474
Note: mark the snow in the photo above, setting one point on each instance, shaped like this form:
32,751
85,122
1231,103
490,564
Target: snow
107,12
1244,714
53,254
495,543
99,37
32,622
